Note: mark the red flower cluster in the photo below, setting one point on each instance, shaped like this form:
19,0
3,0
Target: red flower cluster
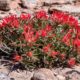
64,18
71,62
67,37
54,54
17,58
41,15
29,54
15,23
11,20
46,48
25,16
63,56
55,36
29,34
76,42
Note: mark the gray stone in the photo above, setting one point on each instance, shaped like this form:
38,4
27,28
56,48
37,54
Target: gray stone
4,76
3,16
57,1
43,74
4,5
16,12
60,77
29,3
27,11
24,3
21,75
67,8
67,73
45,9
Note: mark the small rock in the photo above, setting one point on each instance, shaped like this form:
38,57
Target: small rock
4,5
21,75
60,77
56,1
12,12
45,9
14,4
24,3
27,11
67,8
32,4
43,74
3,16
4,76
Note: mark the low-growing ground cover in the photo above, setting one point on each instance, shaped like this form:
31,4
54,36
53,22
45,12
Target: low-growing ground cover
41,40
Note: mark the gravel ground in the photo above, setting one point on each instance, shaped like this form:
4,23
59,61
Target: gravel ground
59,73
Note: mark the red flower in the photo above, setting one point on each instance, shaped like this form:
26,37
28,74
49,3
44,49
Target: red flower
29,36
67,37
72,21
12,17
45,49
54,54
9,19
76,42
15,23
37,35
28,28
43,33
25,16
4,22
71,62
62,56
29,54
28,33
78,31
48,28
58,16
64,18
17,58
41,14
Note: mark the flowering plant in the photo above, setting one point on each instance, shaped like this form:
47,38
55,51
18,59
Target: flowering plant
42,40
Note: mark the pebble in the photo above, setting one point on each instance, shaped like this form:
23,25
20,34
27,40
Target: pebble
4,76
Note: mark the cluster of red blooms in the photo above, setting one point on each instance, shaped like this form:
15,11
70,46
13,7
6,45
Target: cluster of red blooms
64,18
41,15
11,20
25,16
67,37
31,35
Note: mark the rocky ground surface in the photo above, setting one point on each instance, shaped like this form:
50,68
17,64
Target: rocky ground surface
41,74
8,7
